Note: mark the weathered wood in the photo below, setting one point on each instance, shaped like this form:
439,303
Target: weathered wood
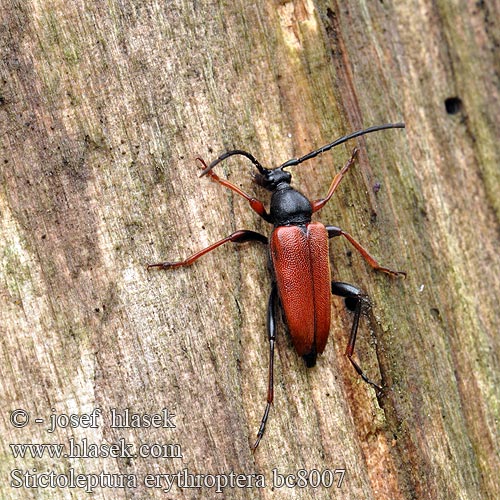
104,107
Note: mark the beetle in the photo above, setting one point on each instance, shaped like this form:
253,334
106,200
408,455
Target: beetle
299,259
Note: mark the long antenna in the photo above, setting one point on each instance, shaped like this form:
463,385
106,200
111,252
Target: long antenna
341,140
222,157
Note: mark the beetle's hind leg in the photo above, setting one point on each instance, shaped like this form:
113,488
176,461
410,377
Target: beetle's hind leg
271,332
354,299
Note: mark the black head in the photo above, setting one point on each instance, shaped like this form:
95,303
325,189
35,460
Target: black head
272,179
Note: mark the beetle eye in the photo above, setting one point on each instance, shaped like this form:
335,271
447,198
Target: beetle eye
262,180
279,176
269,179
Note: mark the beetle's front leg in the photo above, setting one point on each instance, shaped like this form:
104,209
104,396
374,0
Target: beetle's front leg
336,231
354,299
319,204
271,332
240,236
256,205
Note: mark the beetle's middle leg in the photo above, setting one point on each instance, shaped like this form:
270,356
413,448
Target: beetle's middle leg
336,231
241,236
354,299
271,332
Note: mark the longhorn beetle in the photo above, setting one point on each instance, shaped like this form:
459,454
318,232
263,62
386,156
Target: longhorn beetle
299,259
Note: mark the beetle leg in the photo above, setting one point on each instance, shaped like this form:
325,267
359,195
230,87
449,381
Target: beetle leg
240,236
271,332
256,205
354,301
336,231
318,204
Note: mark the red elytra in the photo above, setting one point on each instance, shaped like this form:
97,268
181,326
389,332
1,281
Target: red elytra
302,268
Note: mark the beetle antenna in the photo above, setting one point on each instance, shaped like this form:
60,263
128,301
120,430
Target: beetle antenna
226,155
341,140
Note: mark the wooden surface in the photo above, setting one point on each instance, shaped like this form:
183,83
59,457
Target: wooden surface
104,107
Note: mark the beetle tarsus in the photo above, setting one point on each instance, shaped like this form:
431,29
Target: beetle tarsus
164,265
262,427
390,272
362,374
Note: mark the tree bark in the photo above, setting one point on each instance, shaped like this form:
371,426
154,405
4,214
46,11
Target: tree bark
104,108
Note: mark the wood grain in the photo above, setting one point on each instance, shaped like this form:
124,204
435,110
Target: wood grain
104,107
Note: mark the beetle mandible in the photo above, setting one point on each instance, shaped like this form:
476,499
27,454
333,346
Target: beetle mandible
299,258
